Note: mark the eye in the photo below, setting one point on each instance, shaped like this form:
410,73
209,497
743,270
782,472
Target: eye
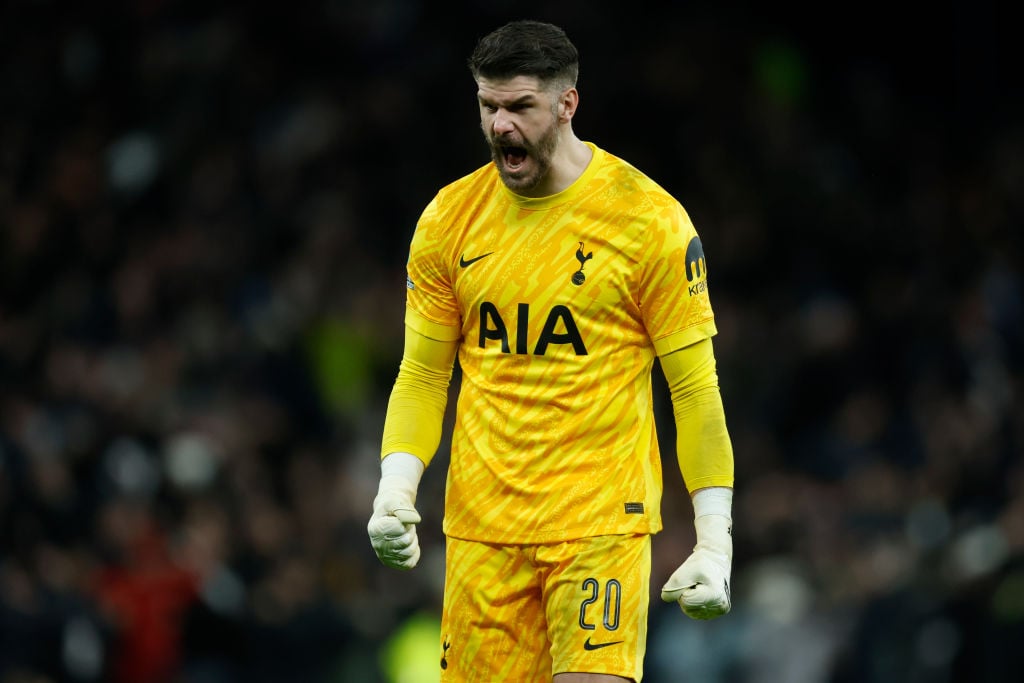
489,108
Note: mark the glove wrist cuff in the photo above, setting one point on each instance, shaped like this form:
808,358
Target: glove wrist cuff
716,500
400,475
400,470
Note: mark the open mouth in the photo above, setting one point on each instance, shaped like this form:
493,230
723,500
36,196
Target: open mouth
514,157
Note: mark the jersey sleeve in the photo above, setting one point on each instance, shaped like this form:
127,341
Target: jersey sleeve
431,306
674,296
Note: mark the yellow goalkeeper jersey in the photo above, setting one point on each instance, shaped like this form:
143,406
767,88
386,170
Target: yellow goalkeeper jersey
560,304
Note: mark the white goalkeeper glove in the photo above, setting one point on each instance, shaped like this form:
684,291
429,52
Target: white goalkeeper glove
392,527
701,584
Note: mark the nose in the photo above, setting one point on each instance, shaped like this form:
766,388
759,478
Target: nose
502,123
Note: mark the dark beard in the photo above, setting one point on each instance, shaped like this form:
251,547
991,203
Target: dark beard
540,152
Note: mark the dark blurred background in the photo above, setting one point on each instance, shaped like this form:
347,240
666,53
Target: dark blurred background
205,209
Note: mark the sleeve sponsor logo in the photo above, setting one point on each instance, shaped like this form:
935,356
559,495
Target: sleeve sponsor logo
696,267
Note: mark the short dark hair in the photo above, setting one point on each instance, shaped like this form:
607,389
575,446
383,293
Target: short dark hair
526,48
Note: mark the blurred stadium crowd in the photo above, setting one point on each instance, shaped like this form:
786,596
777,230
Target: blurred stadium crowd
204,213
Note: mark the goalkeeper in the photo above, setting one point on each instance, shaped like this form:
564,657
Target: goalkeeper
556,275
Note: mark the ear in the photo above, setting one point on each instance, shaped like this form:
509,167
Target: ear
567,103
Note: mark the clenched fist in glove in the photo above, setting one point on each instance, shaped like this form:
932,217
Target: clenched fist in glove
392,527
701,584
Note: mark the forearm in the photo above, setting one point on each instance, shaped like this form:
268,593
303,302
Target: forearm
703,447
415,412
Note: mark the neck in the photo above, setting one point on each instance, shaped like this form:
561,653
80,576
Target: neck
567,165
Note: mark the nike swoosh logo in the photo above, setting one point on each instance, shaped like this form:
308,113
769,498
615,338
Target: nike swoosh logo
587,645
463,261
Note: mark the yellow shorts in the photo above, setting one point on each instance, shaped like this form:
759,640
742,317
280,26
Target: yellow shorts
526,612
